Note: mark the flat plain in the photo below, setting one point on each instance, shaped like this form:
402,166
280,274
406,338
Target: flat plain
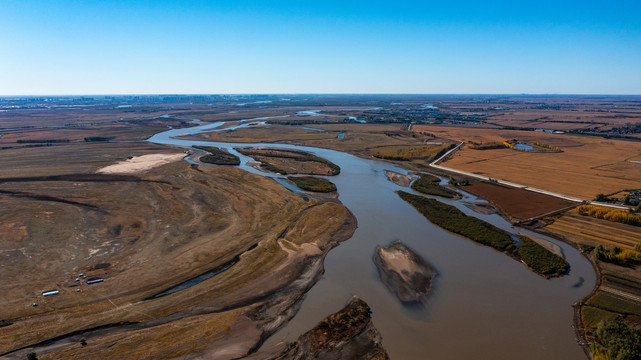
143,233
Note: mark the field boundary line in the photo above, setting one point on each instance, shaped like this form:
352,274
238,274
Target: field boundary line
622,237
622,294
435,164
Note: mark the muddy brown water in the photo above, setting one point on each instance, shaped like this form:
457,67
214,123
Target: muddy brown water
484,305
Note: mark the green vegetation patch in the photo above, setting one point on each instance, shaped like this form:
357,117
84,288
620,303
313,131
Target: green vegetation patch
311,183
616,255
540,259
592,316
98,138
605,301
270,167
454,220
349,321
427,184
616,340
42,141
218,156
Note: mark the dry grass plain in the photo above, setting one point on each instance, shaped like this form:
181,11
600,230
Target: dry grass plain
265,134
587,166
363,140
144,233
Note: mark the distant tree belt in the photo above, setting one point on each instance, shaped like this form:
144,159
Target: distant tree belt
609,214
97,138
298,122
444,150
488,145
217,156
26,146
43,141
428,184
311,183
536,257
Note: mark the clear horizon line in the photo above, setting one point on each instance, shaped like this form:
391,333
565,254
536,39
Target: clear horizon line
320,93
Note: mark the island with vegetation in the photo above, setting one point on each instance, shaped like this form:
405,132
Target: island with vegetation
312,183
540,259
287,161
217,156
536,257
429,185
347,334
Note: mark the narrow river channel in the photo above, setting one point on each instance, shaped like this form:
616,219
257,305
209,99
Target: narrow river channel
484,305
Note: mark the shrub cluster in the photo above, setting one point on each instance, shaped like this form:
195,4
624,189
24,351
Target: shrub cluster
289,154
218,156
454,220
616,255
487,145
540,259
311,183
616,340
428,184
45,141
547,147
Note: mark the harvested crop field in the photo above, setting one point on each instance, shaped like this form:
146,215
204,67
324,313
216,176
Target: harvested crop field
586,167
591,231
515,202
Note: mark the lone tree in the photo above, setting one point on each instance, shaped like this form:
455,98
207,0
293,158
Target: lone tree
599,197
32,356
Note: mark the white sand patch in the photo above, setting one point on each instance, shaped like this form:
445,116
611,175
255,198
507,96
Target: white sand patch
139,164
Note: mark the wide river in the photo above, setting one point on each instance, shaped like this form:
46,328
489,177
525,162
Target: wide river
484,304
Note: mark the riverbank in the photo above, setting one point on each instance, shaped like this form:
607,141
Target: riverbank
383,217
188,220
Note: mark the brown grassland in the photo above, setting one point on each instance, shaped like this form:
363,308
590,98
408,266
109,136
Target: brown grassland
364,140
145,233
265,134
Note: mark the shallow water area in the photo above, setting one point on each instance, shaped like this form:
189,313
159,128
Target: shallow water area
484,304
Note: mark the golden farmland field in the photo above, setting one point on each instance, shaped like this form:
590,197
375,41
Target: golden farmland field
587,166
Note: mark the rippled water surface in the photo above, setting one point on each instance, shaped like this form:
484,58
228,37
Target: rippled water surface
484,305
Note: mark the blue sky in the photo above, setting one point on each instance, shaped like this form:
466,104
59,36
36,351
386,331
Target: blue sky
273,46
